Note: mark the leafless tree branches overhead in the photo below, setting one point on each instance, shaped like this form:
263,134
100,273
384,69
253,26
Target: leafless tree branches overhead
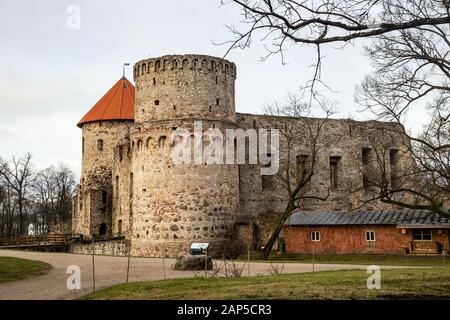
330,21
409,49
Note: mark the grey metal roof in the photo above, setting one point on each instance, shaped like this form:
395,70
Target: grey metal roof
407,217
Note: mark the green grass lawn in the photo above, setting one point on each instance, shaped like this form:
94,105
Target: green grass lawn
12,269
382,260
432,283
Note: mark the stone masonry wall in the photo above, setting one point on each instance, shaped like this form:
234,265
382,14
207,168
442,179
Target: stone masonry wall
109,248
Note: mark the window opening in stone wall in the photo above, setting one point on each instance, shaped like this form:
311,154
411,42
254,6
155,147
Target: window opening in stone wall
302,166
131,183
162,141
267,181
393,157
365,155
119,227
100,145
334,172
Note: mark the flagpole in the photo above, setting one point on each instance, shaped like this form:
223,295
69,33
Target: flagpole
126,64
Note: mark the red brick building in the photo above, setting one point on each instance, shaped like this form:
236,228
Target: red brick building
367,232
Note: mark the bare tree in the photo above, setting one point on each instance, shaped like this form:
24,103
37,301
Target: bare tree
53,188
409,49
297,133
412,70
17,176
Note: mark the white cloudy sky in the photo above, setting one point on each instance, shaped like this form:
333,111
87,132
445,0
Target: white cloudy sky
50,75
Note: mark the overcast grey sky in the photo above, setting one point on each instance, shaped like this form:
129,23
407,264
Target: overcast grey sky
50,76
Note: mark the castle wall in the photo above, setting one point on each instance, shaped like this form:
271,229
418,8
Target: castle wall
109,248
343,139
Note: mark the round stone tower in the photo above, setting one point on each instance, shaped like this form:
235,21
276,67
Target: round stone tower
174,205
103,126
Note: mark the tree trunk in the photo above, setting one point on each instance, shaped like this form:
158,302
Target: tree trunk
286,214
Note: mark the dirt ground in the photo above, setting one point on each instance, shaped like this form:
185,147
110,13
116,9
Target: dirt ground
112,270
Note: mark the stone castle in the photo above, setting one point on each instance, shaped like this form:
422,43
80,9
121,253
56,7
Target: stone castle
130,188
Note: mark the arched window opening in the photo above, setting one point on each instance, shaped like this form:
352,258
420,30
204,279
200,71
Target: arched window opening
162,142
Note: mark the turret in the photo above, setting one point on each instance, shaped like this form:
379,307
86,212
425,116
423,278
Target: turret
107,122
174,205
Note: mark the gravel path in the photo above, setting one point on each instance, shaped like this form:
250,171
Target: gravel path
112,270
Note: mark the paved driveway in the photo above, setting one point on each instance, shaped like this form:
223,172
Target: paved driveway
112,270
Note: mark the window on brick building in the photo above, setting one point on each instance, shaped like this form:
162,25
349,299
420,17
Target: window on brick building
315,236
334,172
421,235
100,145
370,235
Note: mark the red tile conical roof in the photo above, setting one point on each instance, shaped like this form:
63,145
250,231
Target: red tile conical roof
116,104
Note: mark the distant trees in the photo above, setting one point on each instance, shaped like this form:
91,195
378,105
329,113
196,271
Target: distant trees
27,197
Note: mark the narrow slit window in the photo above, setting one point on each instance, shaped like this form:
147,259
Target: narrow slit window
100,145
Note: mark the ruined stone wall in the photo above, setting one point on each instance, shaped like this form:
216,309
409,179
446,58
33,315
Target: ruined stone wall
95,197
108,248
343,139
